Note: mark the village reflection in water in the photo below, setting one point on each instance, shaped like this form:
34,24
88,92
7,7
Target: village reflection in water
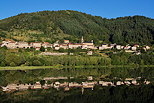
74,85
67,78
62,82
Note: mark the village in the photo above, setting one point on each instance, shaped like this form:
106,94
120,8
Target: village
90,83
11,44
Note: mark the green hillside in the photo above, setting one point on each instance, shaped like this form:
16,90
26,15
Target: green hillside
58,25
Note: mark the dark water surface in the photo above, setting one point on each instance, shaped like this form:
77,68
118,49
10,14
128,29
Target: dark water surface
110,94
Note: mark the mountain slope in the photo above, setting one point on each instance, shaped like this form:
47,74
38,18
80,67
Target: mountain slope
58,25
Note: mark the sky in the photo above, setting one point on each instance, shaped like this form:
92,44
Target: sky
103,8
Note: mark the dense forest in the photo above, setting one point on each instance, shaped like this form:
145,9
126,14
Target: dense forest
66,24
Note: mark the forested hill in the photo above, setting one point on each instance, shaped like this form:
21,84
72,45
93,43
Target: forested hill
66,24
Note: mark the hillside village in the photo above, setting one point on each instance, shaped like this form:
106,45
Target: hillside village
11,44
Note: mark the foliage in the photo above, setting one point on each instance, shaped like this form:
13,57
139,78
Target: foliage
42,49
12,64
58,25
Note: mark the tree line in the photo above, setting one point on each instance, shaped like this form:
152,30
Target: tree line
30,57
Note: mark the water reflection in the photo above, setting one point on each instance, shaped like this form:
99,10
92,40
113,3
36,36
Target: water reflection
31,76
85,85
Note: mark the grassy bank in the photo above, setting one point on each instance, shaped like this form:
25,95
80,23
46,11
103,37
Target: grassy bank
60,67
29,67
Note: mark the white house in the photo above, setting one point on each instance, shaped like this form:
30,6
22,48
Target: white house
36,44
64,46
66,41
119,83
22,45
134,48
118,47
37,85
46,45
74,46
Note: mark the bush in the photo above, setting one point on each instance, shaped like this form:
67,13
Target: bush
36,63
42,49
12,64
2,64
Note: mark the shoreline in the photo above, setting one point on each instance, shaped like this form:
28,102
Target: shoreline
61,67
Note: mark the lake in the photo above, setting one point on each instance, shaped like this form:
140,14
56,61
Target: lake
74,85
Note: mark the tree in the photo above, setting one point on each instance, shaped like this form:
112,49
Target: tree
61,50
2,64
4,47
42,49
12,57
42,82
12,64
36,63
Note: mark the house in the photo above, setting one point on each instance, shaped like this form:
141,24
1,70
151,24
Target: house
136,45
129,51
56,44
87,45
50,53
104,46
56,47
46,86
55,78
64,46
37,48
74,46
103,83
134,82
127,82
66,41
127,47
12,87
138,53
134,48
90,53
22,45
118,47
129,79
56,85
65,84
90,78
119,83
74,84
24,86
46,45
88,84
5,89
122,47
112,45
147,47
146,82
6,41
36,44
108,83
37,85
66,89
11,45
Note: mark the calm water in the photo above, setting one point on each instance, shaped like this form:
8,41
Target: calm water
119,94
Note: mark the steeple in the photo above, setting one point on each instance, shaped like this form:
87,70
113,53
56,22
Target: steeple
82,40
